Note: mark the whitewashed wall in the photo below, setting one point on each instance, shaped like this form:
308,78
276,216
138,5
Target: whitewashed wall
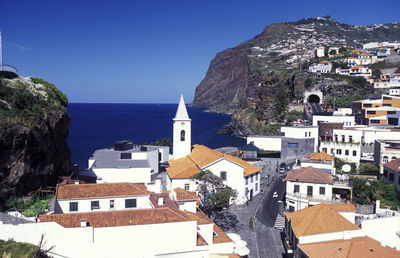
346,120
267,143
84,205
383,230
117,175
331,236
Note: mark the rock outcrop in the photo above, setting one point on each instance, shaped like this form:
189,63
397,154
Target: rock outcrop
34,127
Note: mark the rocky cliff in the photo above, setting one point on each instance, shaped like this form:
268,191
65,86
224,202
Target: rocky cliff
34,127
238,77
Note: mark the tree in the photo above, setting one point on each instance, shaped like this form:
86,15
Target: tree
162,142
369,169
342,50
308,83
332,52
213,194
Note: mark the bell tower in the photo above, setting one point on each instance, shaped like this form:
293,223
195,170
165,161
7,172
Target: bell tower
182,131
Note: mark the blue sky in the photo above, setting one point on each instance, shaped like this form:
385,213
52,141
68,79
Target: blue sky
147,51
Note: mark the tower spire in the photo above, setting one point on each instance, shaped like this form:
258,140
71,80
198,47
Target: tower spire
181,112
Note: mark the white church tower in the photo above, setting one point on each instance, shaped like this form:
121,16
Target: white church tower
182,131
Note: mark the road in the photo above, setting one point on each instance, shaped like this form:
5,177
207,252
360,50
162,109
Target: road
269,242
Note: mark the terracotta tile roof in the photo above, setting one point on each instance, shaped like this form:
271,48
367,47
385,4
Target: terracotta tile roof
354,247
363,54
339,54
357,67
82,191
355,51
321,218
200,240
324,61
185,195
319,156
200,157
102,219
393,165
167,202
352,57
221,237
310,175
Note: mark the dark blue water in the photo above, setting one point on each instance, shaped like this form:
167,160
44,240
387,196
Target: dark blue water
95,126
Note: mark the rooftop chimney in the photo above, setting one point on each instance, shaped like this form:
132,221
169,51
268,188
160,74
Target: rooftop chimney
161,201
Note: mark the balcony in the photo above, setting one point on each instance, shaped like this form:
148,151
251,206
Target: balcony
303,197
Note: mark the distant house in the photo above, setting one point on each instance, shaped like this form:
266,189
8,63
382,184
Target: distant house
385,151
391,173
319,160
320,52
310,186
322,67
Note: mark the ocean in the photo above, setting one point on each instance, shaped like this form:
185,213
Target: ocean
96,126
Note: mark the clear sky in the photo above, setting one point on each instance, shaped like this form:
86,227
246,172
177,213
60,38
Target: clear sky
148,51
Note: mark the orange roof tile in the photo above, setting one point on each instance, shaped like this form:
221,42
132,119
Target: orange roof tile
81,191
185,195
102,219
349,248
321,218
355,51
339,54
357,67
200,240
310,175
324,61
200,157
352,57
393,165
363,54
320,156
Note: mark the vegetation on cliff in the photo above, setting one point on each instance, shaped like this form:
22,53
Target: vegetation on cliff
33,138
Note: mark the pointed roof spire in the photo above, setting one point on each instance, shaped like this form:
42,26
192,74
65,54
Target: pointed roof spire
181,113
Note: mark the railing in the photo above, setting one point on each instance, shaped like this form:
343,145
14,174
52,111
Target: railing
8,68
304,197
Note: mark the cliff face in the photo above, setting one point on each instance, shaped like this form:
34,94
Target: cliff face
34,127
281,51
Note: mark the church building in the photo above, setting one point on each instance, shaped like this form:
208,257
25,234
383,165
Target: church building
188,160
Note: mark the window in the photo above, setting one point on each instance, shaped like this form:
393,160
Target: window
126,155
391,177
130,203
187,187
247,180
322,190
94,205
223,175
296,189
387,105
282,133
350,138
292,145
251,178
387,98
182,135
305,134
332,151
367,105
346,152
309,190
246,192
385,159
385,173
256,187
394,157
354,153
257,175
343,138
336,138
324,149
111,204
73,206
309,134
375,121
339,151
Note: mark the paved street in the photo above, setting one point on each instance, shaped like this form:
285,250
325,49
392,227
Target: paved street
263,239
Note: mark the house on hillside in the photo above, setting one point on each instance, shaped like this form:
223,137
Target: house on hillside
391,173
385,151
319,160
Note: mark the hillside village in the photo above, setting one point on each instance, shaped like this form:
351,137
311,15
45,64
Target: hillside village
332,176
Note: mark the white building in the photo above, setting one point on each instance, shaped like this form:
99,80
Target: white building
319,160
101,197
301,132
235,172
310,186
265,142
320,52
181,131
126,162
385,151
322,67
346,120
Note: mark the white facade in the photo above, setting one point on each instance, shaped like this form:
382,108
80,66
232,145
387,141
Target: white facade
349,152
117,175
246,187
301,200
385,151
346,120
266,143
342,112
181,131
323,67
301,132
320,52
105,204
